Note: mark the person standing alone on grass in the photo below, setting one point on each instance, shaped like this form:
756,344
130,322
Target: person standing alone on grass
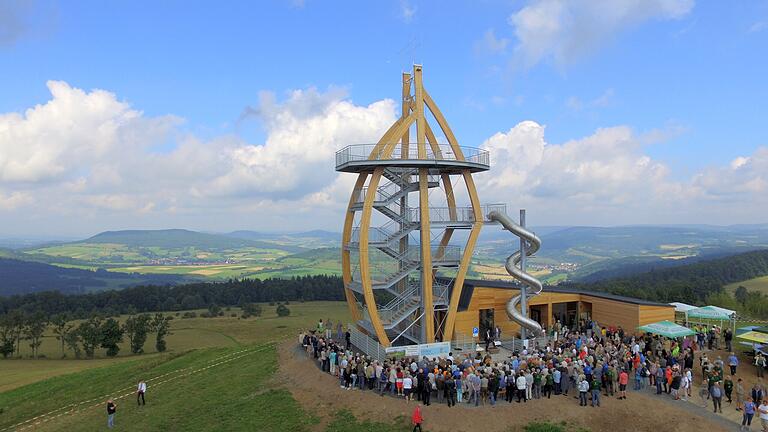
140,390
111,409
416,418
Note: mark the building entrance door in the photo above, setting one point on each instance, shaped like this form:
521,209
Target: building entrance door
486,323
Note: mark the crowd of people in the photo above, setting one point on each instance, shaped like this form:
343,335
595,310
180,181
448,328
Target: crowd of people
587,365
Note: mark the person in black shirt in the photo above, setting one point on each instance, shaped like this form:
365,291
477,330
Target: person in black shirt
111,409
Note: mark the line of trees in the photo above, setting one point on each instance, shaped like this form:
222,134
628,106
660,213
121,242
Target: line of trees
143,299
84,337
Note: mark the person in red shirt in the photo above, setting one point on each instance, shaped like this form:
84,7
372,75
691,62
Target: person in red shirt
416,418
623,380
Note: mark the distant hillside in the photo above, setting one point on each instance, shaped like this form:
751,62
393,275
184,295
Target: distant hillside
628,266
24,277
584,244
179,238
305,239
691,283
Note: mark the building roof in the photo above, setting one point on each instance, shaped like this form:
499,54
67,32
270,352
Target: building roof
472,283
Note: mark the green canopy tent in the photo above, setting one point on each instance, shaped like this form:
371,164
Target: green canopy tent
714,313
667,329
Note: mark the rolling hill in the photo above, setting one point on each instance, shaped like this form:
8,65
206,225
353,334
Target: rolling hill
23,277
180,238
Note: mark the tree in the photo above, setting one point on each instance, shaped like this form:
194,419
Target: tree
136,329
17,322
161,325
741,295
90,335
111,336
33,332
61,328
214,310
282,310
72,340
251,309
7,336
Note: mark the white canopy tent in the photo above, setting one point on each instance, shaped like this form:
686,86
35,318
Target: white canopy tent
682,307
722,313
708,314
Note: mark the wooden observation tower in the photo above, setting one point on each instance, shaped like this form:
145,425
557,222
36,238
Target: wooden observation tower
402,272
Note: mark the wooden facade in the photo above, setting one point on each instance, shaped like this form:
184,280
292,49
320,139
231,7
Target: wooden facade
606,309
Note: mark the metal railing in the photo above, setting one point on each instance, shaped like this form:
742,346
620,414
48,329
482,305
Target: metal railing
366,344
456,214
361,152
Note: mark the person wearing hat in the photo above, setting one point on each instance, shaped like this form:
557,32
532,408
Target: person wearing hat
111,410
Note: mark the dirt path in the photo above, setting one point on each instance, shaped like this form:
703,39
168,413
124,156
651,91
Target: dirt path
319,393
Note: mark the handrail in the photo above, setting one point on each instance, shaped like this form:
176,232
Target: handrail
361,152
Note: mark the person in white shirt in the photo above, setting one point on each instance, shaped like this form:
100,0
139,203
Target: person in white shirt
583,389
140,390
407,386
521,385
763,410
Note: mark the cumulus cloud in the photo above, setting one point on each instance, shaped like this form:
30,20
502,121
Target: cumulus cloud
89,161
607,178
71,132
89,152
566,30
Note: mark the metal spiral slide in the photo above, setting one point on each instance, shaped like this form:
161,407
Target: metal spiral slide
532,244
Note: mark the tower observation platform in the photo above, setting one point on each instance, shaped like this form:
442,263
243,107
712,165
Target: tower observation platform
411,224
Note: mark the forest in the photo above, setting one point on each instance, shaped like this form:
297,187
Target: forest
153,298
696,283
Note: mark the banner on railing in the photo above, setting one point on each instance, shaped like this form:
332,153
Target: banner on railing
432,350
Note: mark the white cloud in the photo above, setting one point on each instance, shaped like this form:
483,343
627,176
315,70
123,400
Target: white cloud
407,10
566,30
490,44
758,26
87,161
14,200
89,153
607,178
70,132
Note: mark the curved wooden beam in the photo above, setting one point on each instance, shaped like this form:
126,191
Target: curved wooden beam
365,270
466,258
346,237
444,126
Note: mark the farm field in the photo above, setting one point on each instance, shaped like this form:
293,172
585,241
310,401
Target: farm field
114,254
759,284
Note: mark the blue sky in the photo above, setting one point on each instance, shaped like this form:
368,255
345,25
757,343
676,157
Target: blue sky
686,78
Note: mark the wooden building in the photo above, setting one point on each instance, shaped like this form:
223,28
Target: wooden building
483,305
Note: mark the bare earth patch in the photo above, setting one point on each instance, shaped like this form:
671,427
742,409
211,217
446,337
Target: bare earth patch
320,394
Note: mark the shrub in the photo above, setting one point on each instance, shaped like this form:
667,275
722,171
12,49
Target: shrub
283,311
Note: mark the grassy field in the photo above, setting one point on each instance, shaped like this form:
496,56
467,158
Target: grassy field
192,333
228,386
759,284
226,383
